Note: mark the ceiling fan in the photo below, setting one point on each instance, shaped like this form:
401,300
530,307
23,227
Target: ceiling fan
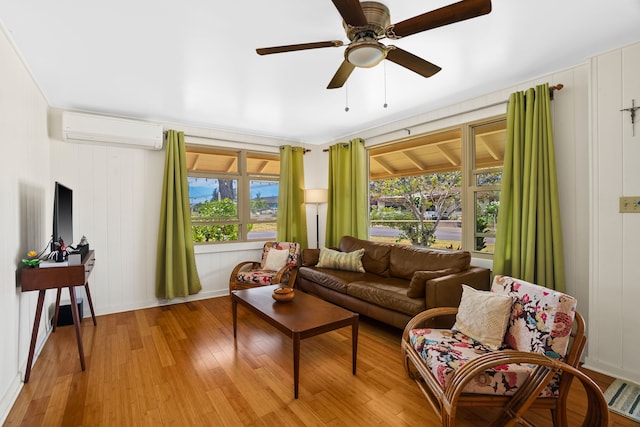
367,22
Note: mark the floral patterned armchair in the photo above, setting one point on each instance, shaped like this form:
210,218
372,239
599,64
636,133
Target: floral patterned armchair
516,347
278,264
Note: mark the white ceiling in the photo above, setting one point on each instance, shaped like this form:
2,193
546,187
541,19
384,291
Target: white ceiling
194,61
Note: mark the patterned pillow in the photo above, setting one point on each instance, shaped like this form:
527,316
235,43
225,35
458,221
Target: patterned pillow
348,261
541,318
483,316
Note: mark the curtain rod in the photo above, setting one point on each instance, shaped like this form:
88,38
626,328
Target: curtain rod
552,89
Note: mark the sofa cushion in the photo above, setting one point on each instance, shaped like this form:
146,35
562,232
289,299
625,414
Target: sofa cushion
391,294
406,260
376,255
348,261
483,316
336,280
418,281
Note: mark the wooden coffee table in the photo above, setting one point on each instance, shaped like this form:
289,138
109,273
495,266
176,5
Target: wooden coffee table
306,316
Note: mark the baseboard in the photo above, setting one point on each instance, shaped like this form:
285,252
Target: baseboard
161,302
611,371
10,397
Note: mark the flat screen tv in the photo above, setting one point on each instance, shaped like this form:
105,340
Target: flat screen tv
62,216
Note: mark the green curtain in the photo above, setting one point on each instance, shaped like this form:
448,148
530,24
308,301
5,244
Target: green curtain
176,274
347,209
529,236
292,215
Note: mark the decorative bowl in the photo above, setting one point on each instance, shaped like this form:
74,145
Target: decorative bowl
283,294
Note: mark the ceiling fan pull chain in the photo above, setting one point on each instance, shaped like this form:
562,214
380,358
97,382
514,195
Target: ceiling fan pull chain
384,68
346,98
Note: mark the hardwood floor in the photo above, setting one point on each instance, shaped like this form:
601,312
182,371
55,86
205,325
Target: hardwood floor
178,365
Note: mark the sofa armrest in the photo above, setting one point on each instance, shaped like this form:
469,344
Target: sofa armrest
310,257
446,291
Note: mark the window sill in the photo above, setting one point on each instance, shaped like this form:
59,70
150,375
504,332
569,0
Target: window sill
212,248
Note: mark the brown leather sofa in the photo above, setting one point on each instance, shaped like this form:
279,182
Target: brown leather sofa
431,278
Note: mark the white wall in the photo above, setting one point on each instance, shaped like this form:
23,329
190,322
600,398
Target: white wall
25,211
615,249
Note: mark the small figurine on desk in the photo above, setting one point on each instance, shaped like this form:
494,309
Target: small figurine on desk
83,241
60,251
83,247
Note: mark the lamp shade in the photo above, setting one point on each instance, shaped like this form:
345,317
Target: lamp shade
316,195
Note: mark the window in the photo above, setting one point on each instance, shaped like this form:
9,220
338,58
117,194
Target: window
233,194
441,189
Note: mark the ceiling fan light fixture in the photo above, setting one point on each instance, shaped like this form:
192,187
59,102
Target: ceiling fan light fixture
365,54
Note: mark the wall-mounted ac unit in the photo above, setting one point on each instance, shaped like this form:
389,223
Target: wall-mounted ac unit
80,127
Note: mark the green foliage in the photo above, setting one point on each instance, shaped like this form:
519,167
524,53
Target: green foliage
258,205
414,196
215,210
483,219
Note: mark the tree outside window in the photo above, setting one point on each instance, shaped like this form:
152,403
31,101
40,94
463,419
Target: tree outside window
439,190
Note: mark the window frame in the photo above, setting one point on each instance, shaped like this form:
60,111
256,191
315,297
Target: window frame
471,187
243,178
469,172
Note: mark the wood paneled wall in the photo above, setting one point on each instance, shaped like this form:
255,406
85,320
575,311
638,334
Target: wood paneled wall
615,244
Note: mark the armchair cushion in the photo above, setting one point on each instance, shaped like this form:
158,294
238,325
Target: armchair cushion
541,318
293,248
444,351
484,316
256,277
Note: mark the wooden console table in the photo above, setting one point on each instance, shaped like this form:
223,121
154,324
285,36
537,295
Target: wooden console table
41,279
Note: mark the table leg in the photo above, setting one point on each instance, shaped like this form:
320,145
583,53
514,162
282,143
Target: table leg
34,334
354,344
93,314
76,323
234,311
296,363
57,309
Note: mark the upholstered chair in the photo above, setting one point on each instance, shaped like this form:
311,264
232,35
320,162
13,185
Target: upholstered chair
278,265
516,347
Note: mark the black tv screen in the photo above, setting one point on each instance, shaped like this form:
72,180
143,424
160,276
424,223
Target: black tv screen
63,215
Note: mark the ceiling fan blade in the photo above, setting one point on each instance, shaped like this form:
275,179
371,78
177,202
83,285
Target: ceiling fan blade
412,62
294,47
465,9
351,11
341,76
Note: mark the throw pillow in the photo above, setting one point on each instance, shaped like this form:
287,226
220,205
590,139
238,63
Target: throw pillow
483,316
348,261
419,279
276,259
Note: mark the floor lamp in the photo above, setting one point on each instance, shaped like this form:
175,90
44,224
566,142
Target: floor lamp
316,196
